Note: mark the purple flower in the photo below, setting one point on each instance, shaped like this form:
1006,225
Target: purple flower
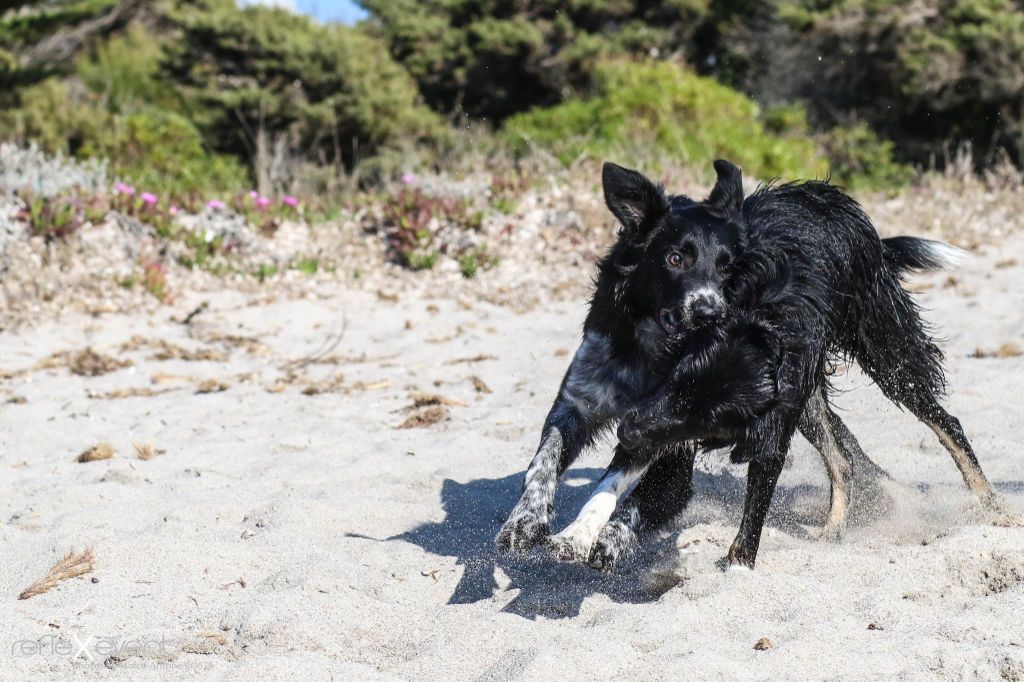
289,200
253,194
215,205
122,188
148,198
409,179
262,202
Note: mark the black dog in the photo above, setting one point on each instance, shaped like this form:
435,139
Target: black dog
615,366
809,280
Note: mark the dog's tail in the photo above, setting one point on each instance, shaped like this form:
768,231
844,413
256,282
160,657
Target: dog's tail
915,254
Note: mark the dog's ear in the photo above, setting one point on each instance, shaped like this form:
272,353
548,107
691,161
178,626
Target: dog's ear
634,200
727,195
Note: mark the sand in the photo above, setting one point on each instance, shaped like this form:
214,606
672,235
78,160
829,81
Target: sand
284,528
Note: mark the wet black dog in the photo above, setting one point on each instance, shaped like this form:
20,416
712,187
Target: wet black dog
636,298
763,294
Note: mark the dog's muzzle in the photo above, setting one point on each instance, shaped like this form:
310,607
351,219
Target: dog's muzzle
704,307
698,309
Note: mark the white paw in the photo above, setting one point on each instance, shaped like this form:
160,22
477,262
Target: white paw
573,543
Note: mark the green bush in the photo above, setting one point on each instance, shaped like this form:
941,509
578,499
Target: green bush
327,93
861,160
494,59
660,112
163,152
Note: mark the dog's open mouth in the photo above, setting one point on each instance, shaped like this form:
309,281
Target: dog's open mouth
671,320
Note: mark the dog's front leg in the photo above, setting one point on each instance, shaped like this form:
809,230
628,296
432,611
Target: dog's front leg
576,541
567,431
765,449
660,496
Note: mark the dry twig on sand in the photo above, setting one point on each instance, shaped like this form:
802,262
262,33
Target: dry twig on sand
71,566
475,358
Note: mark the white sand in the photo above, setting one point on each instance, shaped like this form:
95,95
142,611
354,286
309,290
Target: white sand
366,551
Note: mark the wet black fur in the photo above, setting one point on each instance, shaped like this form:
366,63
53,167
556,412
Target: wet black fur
813,283
810,313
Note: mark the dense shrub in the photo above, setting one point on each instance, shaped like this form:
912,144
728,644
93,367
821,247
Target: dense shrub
927,75
327,93
494,58
861,81
659,111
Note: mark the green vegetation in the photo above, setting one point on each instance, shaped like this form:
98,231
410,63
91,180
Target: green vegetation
658,111
195,95
200,98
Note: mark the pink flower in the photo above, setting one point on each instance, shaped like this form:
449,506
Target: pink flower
253,194
173,210
289,200
216,205
262,202
409,179
122,188
148,198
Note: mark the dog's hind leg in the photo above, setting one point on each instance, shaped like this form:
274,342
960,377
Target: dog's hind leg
843,458
815,427
951,435
660,496
575,542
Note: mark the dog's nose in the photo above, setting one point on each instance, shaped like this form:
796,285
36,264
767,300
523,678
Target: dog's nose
707,309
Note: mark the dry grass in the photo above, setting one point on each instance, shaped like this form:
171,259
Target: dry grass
140,392
212,386
215,637
165,350
71,566
1007,350
146,451
97,453
479,385
328,385
86,363
430,399
476,358
423,417
956,205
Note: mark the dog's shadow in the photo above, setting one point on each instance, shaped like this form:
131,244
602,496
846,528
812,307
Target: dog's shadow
474,512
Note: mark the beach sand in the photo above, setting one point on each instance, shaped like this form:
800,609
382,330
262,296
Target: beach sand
286,528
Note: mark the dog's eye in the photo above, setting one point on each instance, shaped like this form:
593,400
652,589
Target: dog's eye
674,259
722,264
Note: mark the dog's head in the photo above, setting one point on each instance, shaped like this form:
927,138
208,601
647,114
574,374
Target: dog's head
675,255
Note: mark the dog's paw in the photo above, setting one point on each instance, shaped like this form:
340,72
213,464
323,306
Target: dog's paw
832,532
523,530
616,542
572,544
739,557
998,513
